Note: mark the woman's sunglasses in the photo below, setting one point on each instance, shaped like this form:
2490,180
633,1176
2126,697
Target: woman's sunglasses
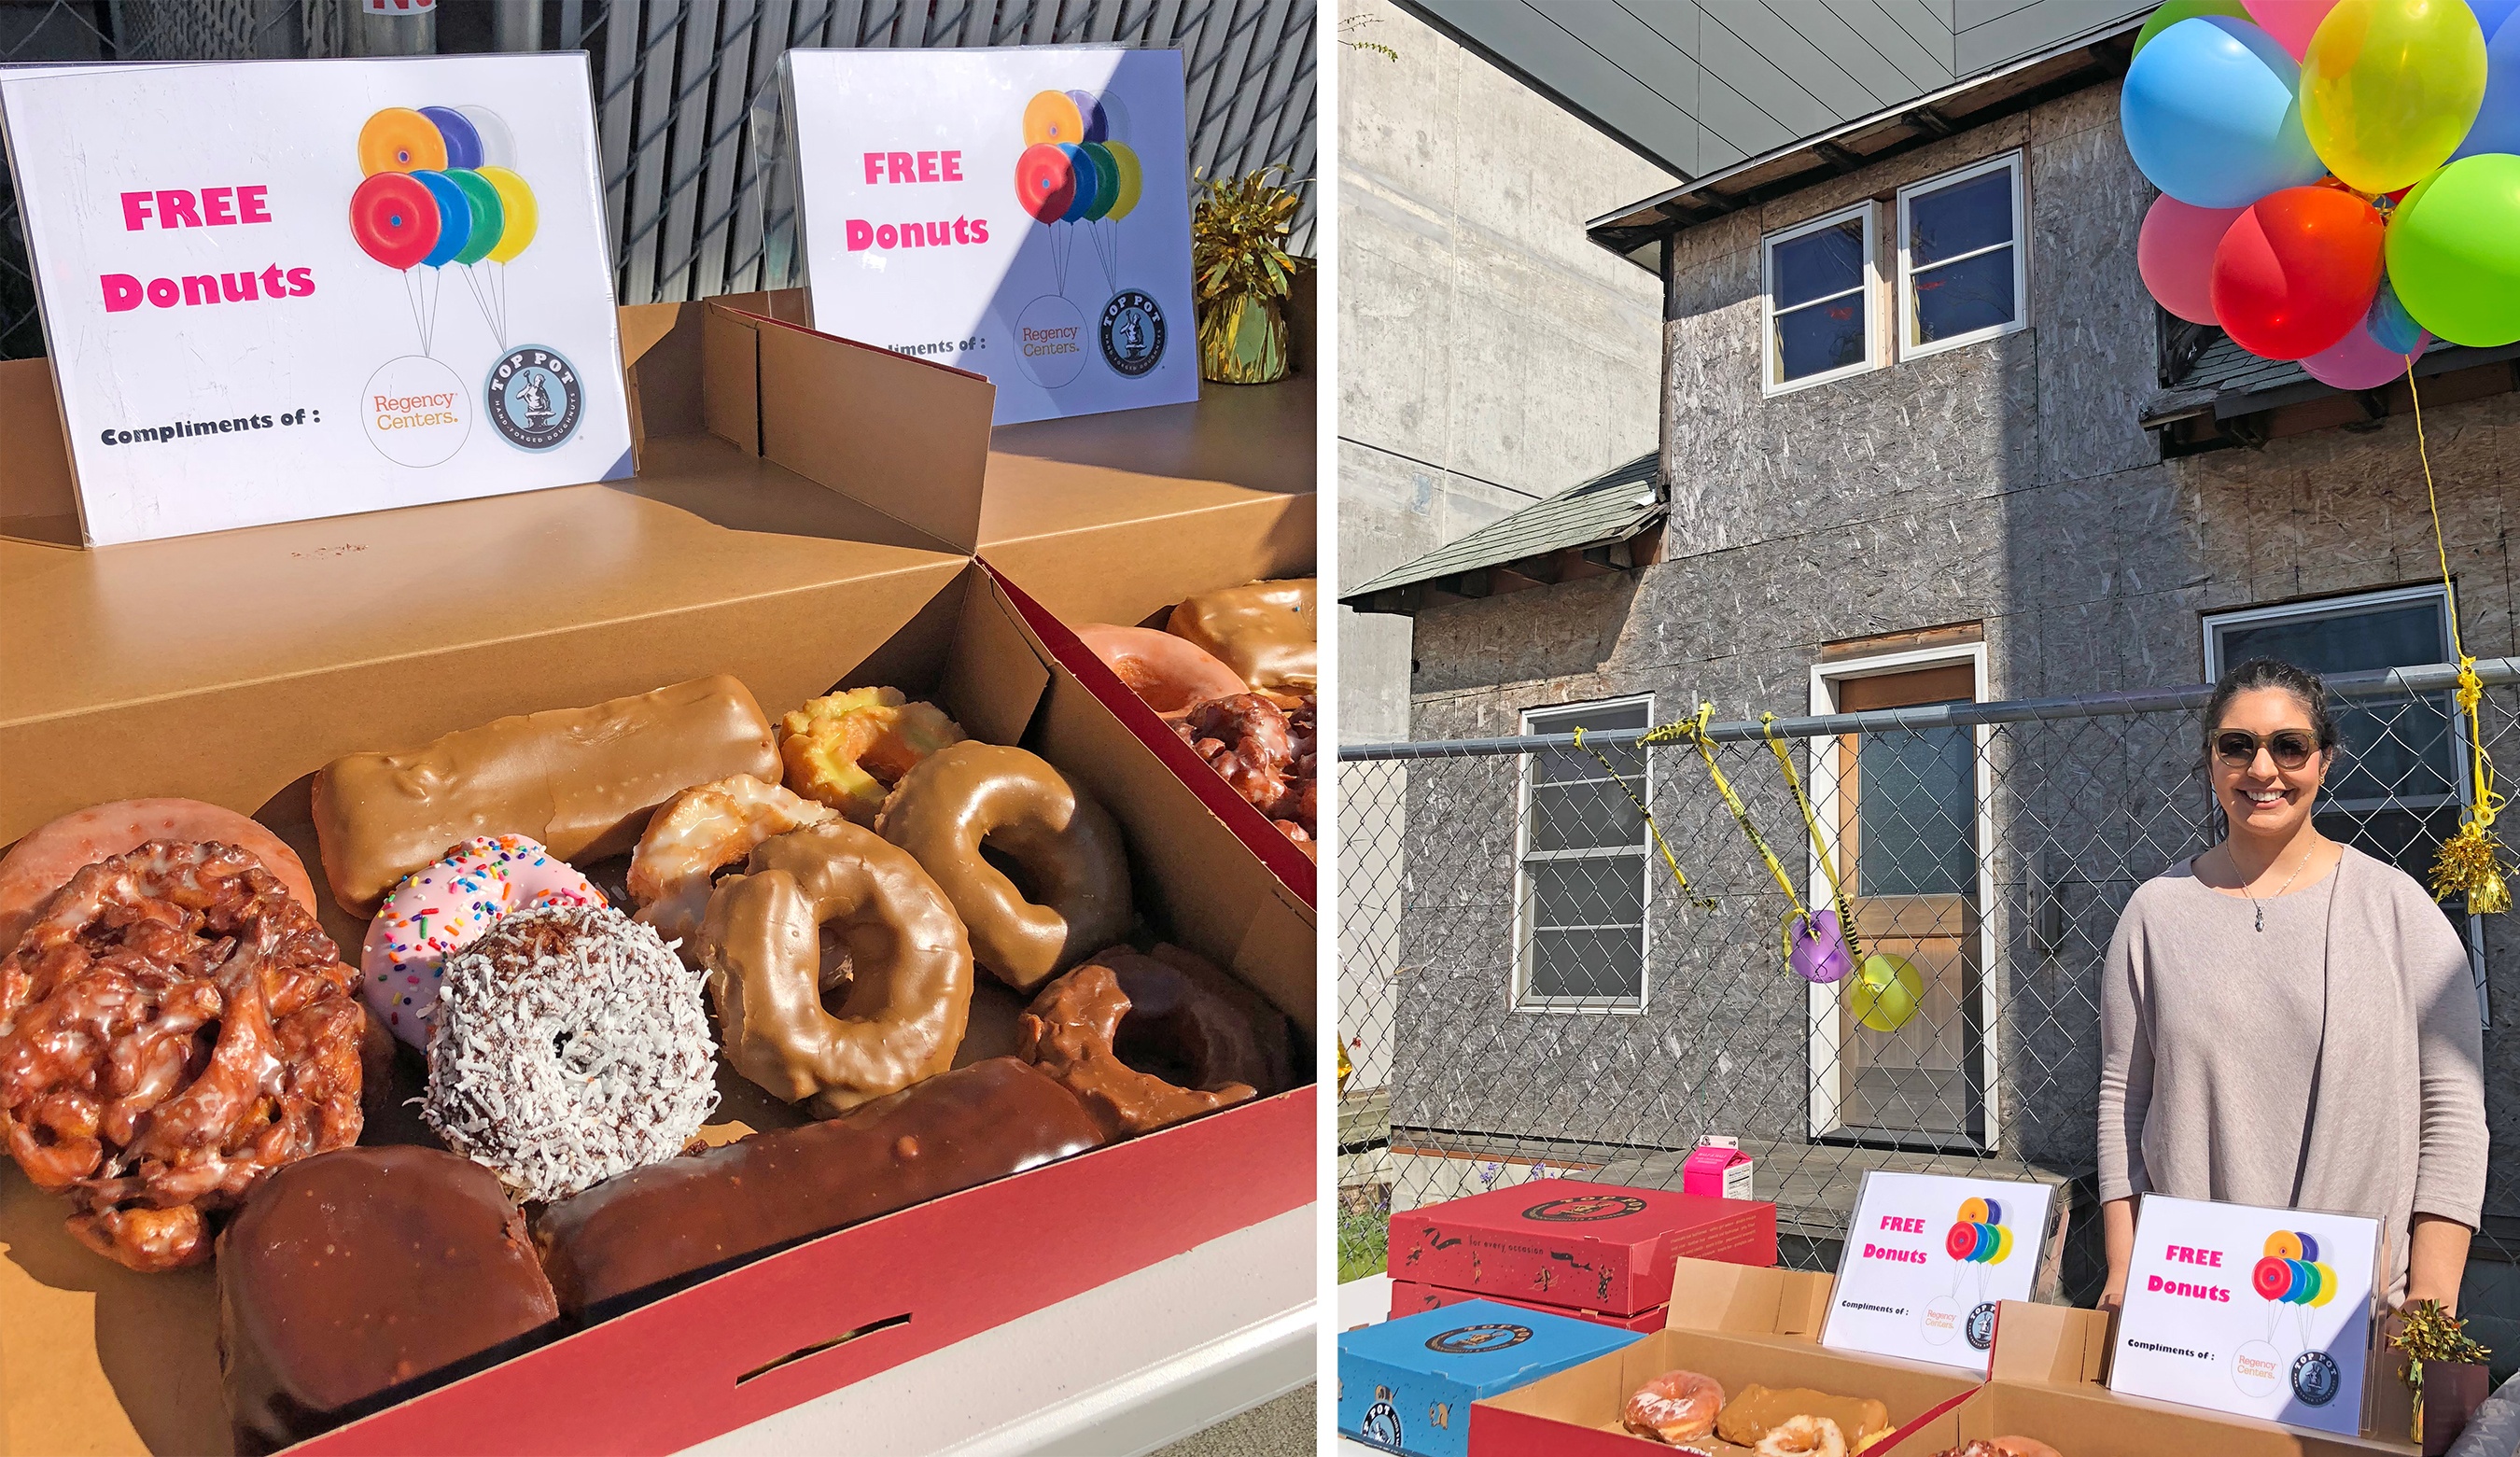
2290,749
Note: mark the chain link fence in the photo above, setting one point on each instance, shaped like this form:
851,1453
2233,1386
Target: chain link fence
686,91
1526,989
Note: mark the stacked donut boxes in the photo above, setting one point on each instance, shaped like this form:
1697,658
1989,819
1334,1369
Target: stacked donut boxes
807,513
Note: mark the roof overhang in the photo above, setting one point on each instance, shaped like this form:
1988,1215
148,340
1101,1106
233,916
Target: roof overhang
1609,523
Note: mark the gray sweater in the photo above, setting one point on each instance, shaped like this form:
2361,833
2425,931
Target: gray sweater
2331,1062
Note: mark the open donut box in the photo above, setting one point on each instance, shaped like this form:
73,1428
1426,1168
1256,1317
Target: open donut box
807,514
1741,1325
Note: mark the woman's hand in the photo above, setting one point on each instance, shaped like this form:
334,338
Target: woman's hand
2117,1237
2436,1260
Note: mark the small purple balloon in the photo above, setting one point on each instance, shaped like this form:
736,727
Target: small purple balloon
1097,125
1819,949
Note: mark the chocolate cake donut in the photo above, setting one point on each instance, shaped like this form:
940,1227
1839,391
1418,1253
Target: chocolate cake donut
653,1231
356,1279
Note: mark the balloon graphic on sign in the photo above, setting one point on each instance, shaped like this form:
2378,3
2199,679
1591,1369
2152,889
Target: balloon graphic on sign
1075,172
439,191
1977,1241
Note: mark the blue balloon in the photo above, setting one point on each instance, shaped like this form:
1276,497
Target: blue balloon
2491,14
2212,113
2498,121
2391,327
454,217
1088,181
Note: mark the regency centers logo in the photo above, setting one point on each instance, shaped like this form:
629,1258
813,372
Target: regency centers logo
534,398
1587,1208
1464,1341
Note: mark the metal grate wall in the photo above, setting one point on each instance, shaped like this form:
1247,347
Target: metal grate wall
682,89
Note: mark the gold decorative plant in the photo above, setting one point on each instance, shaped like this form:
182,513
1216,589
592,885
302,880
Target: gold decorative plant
1242,275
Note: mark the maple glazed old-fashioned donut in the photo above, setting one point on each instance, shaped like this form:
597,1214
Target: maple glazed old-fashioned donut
910,984
1168,672
1674,1407
1075,896
174,1025
1145,1042
699,832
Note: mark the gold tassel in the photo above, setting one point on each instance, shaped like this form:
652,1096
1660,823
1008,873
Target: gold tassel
1242,275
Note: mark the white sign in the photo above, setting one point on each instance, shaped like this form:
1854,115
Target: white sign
289,288
1020,213
1927,1256
2257,1312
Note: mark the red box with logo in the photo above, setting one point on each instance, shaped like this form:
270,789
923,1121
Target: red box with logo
1565,1244
1409,1297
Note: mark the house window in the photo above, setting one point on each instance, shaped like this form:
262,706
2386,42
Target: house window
1960,258
1580,890
2396,790
1819,281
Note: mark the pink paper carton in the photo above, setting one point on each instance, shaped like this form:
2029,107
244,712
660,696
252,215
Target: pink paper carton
1717,1170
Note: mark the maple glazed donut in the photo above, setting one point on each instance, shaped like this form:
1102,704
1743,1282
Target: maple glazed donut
1674,1407
909,994
1020,807
1267,632
1145,1042
174,1025
1170,673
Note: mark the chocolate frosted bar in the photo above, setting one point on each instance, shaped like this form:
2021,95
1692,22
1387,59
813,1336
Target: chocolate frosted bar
582,780
356,1279
646,1233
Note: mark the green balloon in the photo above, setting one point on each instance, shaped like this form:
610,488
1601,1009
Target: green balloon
2453,251
487,221
2185,10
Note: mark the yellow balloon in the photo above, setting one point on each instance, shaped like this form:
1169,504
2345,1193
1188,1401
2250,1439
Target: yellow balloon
2002,1244
1052,117
2326,1287
1132,180
2389,89
516,202
1884,994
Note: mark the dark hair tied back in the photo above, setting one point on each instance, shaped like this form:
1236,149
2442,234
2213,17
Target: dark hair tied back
2272,672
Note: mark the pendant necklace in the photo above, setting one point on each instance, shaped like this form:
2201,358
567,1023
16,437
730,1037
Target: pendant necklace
2279,890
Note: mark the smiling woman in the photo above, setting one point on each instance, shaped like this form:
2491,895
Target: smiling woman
2357,1085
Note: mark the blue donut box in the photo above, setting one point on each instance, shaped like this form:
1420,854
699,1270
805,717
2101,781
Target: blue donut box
1406,1385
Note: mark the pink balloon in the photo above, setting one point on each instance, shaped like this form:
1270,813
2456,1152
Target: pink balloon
2175,254
2357,361
2290,22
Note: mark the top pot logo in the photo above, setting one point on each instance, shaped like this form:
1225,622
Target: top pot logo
1467,1340
1587,1208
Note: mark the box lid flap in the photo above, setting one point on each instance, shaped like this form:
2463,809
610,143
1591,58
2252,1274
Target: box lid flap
2049,1345
1746,1300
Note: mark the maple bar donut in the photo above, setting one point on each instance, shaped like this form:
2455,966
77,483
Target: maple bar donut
1020,807
1674,1407
910,968
699,832
847,749
174,1025
582,781
569,1045
48,856
1168,672
1267,632
441,908
1145,1043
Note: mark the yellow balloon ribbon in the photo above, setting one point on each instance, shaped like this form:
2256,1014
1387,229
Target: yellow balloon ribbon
1820,846
1702,902
2471,859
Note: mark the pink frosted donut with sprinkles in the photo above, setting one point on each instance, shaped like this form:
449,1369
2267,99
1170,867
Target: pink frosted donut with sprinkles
441,909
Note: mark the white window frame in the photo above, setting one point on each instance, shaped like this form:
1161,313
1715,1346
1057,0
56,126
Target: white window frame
1909,346
1826,1116
1874,347
2350,604
1521,998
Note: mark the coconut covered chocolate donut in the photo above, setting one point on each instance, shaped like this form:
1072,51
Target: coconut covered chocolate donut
1144,1042
910,968
174,1025
569,1045
1075,896
441,909
1674,1407
1169,672
1267,632
699,832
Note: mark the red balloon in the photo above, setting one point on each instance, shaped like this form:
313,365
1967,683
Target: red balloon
2175,252
394,219
2272,1279
1961,1241
1044,181
2297,270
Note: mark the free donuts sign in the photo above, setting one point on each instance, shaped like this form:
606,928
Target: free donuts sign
2261,1312
281,290
1022,214
1927,1260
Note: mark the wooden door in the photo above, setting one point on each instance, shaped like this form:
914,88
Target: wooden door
1908,833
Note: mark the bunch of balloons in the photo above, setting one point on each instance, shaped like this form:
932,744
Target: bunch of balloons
440,188
2290,1273
1980,1236
1075,169
2340,178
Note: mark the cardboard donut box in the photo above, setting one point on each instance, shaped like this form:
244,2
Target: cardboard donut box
807,514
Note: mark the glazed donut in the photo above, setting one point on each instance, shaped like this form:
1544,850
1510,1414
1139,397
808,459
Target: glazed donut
174,1025
568,1045
441,909
1267,632
45,860
2024,1446
699,832
1674,1407
1076,892
909,983
1145,1043
847,749
1803,1435
1169,672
